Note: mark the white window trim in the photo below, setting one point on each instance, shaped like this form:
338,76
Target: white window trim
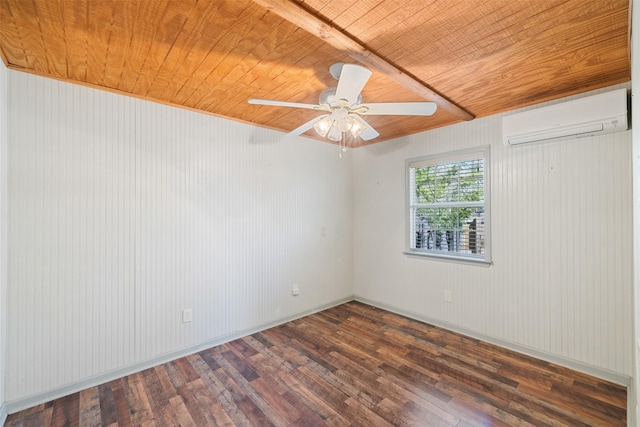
459,155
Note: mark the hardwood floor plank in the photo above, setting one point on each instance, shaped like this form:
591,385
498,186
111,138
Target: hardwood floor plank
306,354
108,413
255,416
248,391
608,393
158,399
43,416
211,408
427,417
240,365
351,365
174,374
166,386
191,394
585,395
66,411
137,399
208,356
263,339
473,415
418,381
243,348
398,415
224,391
534,378
90,407
423,365
401,396
544,415
272,392
292,354
310,419
186,370
333,397
182,415
313,402
363,416
346,384
482,400
123,413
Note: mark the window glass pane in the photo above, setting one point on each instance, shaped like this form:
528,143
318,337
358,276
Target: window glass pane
425,185
450,182
447,213
472,181
450,230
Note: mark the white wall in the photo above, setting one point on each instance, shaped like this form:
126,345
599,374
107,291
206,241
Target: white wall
633,392
124,212
561,281
3,238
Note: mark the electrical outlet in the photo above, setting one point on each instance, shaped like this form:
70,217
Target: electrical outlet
447,296
187,315
295,291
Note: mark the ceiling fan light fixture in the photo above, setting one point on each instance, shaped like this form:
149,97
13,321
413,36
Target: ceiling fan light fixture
334,134
356,127
345,124
323,126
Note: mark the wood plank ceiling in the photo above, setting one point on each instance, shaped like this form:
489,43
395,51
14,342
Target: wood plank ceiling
473,57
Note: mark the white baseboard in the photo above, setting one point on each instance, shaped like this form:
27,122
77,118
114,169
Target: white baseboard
3,413
594,371
13,406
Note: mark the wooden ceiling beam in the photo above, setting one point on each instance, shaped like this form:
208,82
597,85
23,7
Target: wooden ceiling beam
302,18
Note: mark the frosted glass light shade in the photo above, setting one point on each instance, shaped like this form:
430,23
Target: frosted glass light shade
356,127
335,134
322,126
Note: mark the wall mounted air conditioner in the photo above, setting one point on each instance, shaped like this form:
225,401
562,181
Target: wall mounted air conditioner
593,115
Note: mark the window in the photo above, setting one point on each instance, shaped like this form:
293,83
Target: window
448,205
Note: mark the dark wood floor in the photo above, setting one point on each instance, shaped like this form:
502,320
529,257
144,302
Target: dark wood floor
349,365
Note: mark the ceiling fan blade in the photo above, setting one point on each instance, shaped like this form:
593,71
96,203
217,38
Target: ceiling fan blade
352,80
286,104
399,109
305,127
368,132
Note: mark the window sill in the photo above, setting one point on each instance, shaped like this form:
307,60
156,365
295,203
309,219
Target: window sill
449,258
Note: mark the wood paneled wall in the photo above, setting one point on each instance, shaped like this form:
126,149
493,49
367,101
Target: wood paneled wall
561,280
122,213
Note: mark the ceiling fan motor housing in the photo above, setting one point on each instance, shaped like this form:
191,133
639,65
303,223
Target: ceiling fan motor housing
328,97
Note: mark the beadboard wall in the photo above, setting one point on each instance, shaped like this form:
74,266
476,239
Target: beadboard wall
3,238
123,212
633,392
561,280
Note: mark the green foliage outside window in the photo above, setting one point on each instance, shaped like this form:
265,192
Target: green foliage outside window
450,183
443,222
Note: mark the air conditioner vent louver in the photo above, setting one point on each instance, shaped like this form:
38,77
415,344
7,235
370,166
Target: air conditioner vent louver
594,115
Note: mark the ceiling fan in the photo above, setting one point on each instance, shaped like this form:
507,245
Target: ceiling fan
343,105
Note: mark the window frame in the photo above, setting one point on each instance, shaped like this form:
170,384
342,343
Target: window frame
444,158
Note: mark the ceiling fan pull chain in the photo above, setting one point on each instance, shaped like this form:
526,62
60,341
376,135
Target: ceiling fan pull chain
342,145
